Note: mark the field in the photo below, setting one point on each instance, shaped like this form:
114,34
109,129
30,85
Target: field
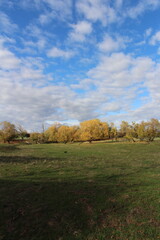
95,191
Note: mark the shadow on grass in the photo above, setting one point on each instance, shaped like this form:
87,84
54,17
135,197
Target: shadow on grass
56,210
26,159
69,208
5,148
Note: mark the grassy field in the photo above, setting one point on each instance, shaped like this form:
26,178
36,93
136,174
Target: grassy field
83,191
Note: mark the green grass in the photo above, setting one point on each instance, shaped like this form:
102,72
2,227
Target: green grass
93,191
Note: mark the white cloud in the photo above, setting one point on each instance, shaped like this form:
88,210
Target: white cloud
31,105
141,7
56,52
8,59
68,122
80,31
34,31
30,95
141,43
118,79
155,38
62,7
54,9
5,39
121,71
97,10
109,44
117,62
45,18
26,98
153,3
118,3
41,43
148,32
6,25
36,39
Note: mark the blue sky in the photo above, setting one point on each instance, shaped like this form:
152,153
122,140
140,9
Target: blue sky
73,60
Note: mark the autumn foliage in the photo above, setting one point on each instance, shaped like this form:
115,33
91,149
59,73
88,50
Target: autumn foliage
89,130
94,130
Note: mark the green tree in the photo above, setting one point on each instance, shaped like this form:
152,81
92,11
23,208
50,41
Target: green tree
131,133
123,128
141,131
113,133
148,130
152,129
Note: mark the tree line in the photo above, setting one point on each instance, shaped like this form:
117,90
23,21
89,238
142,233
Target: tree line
89,130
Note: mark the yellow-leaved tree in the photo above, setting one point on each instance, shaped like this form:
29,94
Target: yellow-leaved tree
64,134
7,131
93,130
51,132
74,133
